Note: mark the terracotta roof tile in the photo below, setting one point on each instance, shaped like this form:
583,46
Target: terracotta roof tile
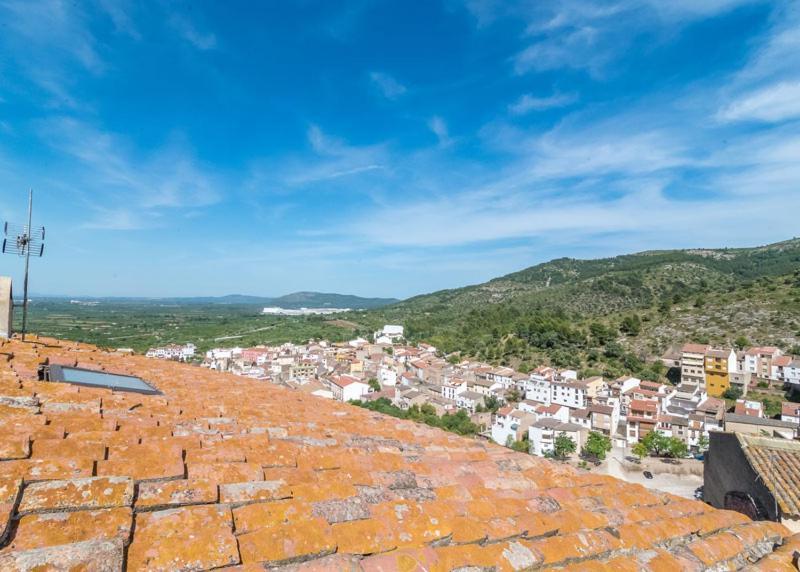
168,494
53,529
186,538
238,473
77,494
286,542
94,555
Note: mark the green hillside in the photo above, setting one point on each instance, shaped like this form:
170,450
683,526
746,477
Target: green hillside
615,314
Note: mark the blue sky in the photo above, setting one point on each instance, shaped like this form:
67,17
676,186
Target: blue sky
389,148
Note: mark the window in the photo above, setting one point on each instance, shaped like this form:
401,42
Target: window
91,378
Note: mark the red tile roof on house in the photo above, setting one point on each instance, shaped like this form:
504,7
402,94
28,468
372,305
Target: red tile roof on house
695,348
224,471
345,380
644,405
790,409
503,411
765,350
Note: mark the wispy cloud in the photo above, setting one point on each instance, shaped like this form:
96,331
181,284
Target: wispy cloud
527,102
121,186
438,127
45,40
188,31
767,88
332,161
773,103
387,85
590,34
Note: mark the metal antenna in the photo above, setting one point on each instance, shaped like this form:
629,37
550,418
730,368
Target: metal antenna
23,240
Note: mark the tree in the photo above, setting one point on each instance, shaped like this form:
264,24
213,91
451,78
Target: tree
514,395
656,443
741,342
732,393
520,446
676,448
597,445
563,446
491,403
640,450
631,325
373,384
702,444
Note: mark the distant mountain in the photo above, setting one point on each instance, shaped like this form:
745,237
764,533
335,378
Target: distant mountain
290,301
322,300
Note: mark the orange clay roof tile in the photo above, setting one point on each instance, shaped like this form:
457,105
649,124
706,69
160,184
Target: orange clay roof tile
169,494
234,473
53,529
186,538
91,555
77,494
286,542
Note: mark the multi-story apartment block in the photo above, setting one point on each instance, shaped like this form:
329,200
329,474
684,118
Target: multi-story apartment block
572,394
642,418
540,389
693,364
452,387
719,364
758,361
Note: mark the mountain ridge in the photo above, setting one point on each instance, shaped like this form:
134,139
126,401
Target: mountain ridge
292,300
617,314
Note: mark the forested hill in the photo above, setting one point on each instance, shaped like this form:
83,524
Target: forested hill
596,287
642,303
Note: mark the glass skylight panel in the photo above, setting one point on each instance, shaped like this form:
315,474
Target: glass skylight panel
92,378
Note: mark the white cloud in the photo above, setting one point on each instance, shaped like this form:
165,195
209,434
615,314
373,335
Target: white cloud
332,161
124,188
590,34
388,86
48,40
773,103
188,31
527,102
439,128
573,49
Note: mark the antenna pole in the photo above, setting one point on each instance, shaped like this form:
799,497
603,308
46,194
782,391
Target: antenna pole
27,263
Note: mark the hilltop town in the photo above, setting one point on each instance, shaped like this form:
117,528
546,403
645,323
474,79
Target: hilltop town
719,390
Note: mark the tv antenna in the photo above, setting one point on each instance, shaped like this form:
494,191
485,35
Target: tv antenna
24,241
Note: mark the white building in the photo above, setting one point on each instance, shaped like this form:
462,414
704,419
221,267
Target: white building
469,400
389,334
542,435
452,387
172,352
786,369
387,375
571,394
510,425
347,388
540,390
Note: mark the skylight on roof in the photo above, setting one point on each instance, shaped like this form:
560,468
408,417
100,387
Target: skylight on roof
91,378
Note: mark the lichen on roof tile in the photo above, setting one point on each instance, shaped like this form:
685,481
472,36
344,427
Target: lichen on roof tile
227,472
186,538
